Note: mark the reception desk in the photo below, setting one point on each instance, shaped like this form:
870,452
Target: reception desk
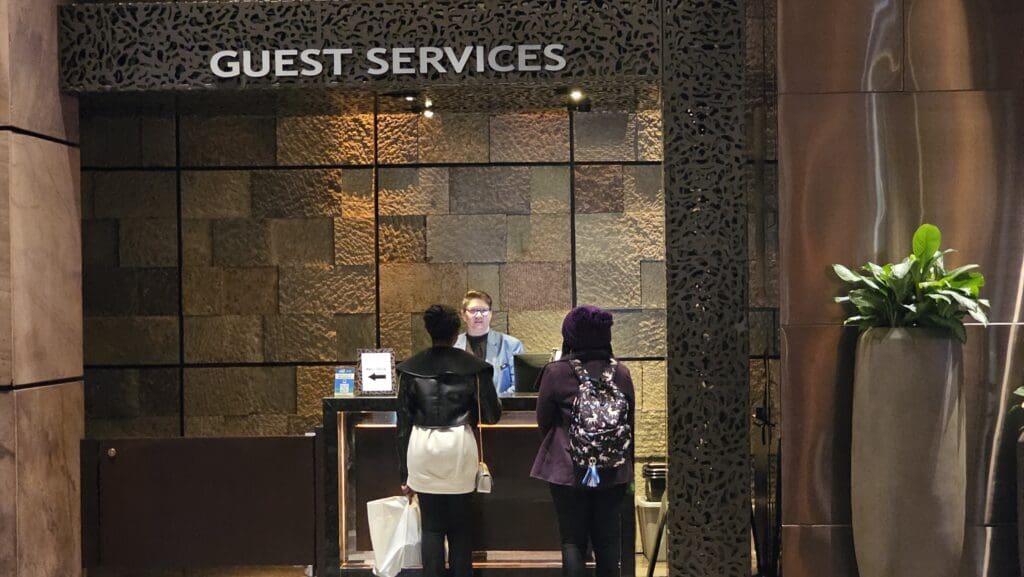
515,528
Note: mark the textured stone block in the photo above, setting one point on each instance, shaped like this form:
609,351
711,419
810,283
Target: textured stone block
490,190
131,428
643,189
130,393
297,193
550,187
649,141
396,334
653,284
312,384
654,382
605,136
134,340
620,237
303,425
453,137
419,337
196,243
539,238
226,339
126,141
599,189
148,242
398,138
354,332
540,331
99,243
301,241
241,242
651,434
458,238
227,141
237,426
299,338
499,321
312,140
326,289
357,193
536,286
610,285
130,292
403,239
487,278
215,194
413,191
134,194
639,333
239,391
412,287
217,291
530,137
353,241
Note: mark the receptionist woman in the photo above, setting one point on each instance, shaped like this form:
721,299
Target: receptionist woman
495,347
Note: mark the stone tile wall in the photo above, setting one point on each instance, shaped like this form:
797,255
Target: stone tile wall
283,225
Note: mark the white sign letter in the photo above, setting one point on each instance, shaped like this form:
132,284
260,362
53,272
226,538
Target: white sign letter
554,52
283,61
492,59
336,53
228,70
313,66
380,65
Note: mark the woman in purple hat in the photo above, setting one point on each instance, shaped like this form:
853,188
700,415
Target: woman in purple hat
585,411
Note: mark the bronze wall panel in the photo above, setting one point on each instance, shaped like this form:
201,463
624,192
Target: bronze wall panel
963,45
840,46
819,551
858,173
817,397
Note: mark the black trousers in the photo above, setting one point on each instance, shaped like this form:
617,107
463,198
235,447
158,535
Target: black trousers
589,515
448,516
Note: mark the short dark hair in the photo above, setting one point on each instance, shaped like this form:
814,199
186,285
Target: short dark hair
441,322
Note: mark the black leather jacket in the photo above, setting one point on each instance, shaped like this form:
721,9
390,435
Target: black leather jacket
438,388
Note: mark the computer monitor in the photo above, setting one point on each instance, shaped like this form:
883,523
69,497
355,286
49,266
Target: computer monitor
528,367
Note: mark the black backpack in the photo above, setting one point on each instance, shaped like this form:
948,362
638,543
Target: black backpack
599,432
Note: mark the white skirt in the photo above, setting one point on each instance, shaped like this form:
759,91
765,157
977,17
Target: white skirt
442,460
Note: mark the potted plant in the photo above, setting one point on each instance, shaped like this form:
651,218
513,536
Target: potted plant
908,464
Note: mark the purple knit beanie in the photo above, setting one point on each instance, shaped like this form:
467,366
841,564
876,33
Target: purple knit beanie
587,327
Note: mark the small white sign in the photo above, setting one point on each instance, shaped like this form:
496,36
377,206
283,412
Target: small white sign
375,372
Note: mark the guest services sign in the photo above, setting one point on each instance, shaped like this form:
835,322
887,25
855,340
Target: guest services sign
380,61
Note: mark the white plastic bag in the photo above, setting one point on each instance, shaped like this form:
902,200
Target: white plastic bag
395,534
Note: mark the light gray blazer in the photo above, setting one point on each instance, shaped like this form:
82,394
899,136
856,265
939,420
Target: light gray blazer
501,349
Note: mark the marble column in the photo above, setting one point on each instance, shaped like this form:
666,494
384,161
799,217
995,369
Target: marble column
41,406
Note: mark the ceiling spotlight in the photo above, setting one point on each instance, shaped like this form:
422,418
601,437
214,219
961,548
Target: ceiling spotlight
410,98
428,113
576,95
427,103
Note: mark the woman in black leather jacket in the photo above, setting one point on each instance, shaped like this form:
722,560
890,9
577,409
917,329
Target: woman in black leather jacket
440,401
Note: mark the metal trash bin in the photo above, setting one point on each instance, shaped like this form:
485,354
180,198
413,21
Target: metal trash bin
655,475
647,515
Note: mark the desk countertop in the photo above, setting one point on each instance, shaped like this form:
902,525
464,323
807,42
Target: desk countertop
518,402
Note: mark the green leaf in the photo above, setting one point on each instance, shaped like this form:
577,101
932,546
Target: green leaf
978,315
899,271
846,274
927,239
842,299
960,270
1019,392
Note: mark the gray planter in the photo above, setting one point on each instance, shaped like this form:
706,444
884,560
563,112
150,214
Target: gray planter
908,462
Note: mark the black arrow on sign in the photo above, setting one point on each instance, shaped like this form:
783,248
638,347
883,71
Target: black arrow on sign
375,376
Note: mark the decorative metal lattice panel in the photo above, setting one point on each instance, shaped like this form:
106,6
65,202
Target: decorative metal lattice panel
167,46
706,239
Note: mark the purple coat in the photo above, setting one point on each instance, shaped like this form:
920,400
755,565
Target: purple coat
557,390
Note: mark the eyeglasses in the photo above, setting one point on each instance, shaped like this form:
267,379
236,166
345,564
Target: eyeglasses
478,312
